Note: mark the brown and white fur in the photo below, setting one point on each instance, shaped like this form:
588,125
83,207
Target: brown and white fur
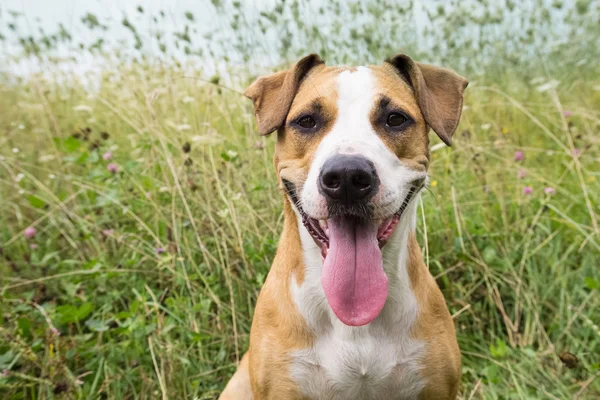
299,349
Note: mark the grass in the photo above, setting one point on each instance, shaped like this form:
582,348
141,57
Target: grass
142,283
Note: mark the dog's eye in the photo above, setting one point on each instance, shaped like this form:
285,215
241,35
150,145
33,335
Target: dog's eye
307,122
395,120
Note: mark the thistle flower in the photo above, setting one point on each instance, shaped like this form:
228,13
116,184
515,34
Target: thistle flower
527,190
567,113
159,250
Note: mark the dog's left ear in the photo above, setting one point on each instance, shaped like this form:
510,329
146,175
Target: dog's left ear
439,92
273,94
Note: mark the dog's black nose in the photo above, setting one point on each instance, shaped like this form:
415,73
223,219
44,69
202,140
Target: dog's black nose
348,179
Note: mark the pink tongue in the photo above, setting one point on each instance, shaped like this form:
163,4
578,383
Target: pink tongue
353,278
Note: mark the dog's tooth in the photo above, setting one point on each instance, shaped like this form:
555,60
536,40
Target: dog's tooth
323,224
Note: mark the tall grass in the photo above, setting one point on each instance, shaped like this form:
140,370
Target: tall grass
156,214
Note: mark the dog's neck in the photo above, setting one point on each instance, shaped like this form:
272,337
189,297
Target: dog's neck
402,264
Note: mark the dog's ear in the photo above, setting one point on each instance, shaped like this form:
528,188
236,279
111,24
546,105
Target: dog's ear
439,93
273,94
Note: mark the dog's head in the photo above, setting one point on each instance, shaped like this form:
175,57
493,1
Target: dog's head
352,151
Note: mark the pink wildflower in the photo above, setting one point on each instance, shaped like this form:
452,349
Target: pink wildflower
549,190
107,155
522,174
30,232
527,190
112,167
567,113
519,155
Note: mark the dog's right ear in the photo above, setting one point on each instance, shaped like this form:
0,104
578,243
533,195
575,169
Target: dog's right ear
273,94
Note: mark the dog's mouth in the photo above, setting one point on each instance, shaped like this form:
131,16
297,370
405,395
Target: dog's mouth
319,229
353,278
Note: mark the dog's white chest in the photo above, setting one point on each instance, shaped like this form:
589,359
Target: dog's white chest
359,363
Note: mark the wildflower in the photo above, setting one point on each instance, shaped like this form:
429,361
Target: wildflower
19,177
549,190
30,232
47,157
567,113
33,246
522,174
107,156
519,155
160,250
112,167
82,107
55,331
434,183
575,152
183,127
108,232
232,154
548,86
15,150
52,176
527,190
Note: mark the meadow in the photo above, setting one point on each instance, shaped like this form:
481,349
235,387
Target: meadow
139,218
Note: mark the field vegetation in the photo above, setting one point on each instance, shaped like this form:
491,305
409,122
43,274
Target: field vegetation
139,211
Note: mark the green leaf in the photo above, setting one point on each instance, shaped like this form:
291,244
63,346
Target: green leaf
24,327
71,144
36,202
69,314
96,325
489,254
199,337
499,350
491,372
591,283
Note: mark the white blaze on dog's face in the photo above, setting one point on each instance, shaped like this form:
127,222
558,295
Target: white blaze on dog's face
352,150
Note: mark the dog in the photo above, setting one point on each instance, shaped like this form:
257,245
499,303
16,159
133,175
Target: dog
349,309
